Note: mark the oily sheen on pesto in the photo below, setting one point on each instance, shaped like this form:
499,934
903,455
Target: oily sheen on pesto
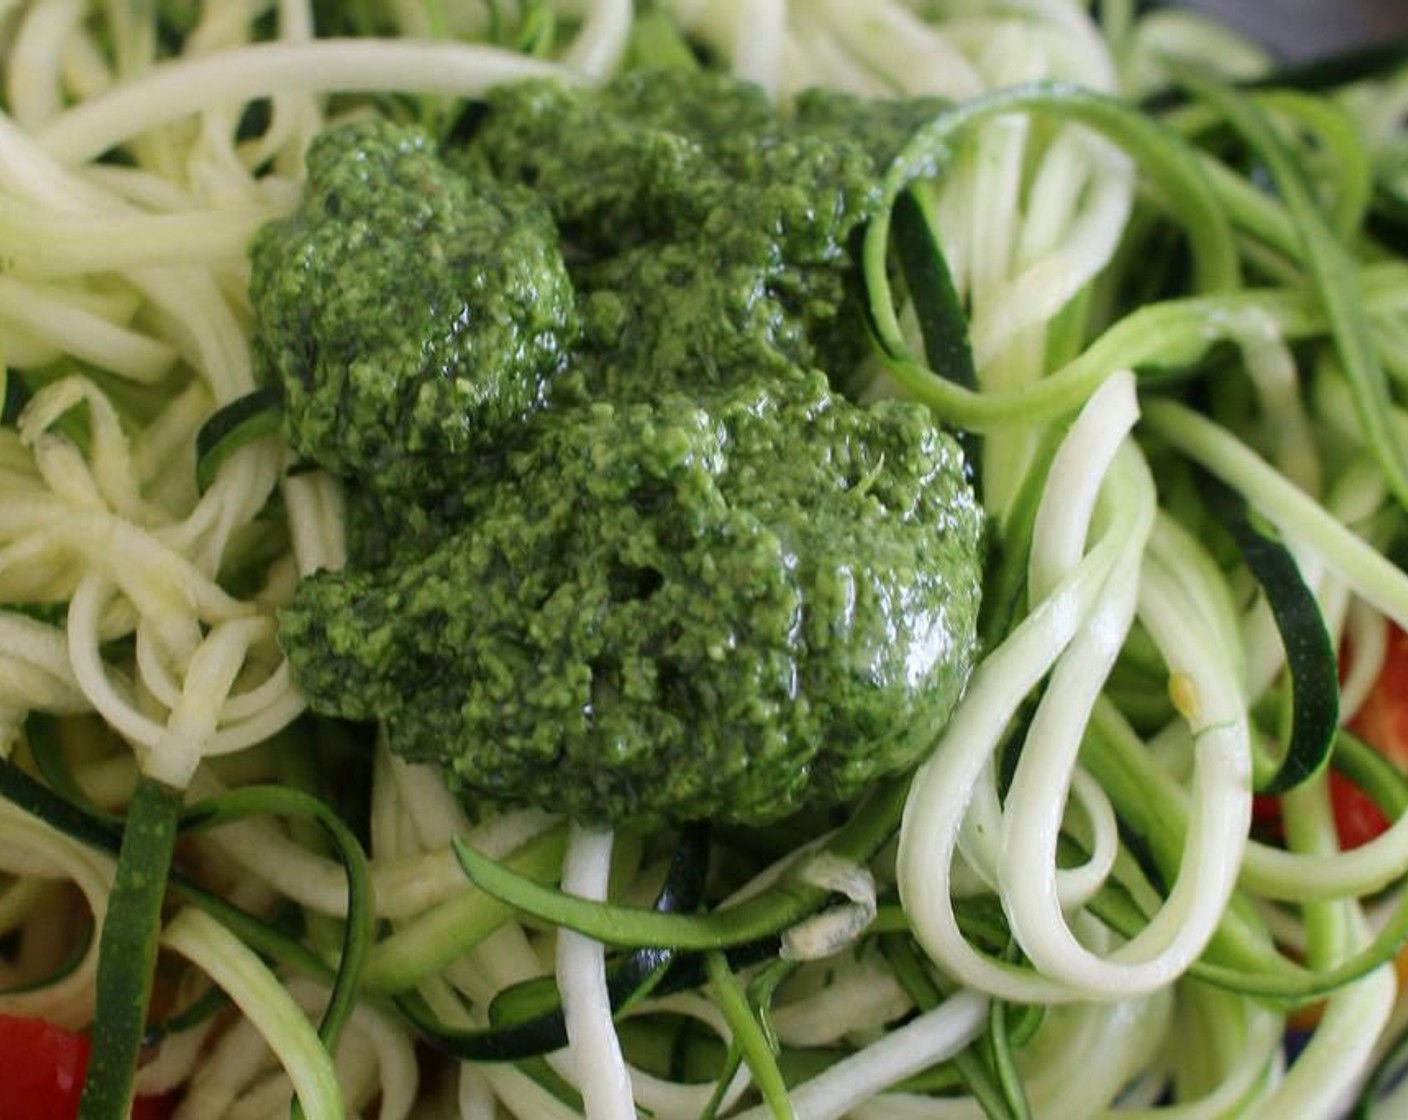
682,575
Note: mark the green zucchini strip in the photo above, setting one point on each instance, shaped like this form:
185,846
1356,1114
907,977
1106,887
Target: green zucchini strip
981,1081
1386,785
761,916
239,423
1172,165
58,813
997,1043
405,957
264,936
1333,274
15,396
127,949
1281,979
1326,72
357,933
527,1018
942,321
231,964
1344,151
42,737
748,1036
203,1008
65,968
538,28
1310,653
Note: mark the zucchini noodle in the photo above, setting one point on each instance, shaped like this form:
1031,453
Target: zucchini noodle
597,1063
1121,882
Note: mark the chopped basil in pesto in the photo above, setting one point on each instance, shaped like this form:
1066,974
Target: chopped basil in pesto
620,546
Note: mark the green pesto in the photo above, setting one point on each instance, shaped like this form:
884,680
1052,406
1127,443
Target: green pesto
410,314
880,127
710,237
618,545
646,618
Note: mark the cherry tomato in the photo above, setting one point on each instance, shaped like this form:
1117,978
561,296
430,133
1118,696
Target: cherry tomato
41,1073
1382,722
41,1069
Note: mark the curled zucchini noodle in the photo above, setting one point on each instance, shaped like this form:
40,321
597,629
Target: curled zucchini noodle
1136,692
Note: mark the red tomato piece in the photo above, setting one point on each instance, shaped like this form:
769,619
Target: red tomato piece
1357,819
1266,819
1382,722
42,1069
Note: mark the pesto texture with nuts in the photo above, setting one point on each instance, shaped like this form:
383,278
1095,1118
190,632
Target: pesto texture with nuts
711,237
411,315
659,568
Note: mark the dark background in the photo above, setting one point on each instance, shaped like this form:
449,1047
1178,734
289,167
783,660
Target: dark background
1300,28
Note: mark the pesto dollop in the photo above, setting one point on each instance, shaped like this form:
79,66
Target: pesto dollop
622,549
711,238
411,314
